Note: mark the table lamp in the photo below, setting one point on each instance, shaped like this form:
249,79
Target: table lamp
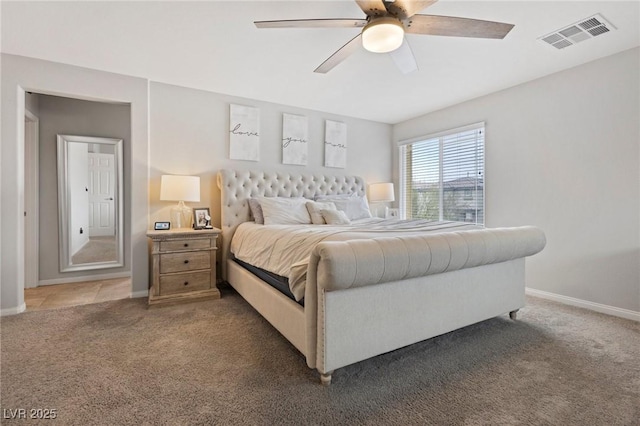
381,193
180,189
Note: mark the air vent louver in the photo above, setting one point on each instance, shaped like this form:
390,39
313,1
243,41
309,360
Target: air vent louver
590,23
580,31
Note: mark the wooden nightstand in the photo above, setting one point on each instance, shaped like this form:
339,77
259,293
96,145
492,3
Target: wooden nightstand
183,267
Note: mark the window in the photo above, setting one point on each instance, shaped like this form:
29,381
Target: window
442,176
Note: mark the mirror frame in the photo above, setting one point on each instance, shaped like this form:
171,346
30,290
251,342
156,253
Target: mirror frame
66,264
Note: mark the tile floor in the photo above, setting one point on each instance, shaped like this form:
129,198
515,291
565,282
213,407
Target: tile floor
81,293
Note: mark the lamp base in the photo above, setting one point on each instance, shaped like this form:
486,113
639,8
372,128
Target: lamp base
181,216
385,211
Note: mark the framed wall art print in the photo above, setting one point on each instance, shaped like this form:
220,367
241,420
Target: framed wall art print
244,133
335,144
295,137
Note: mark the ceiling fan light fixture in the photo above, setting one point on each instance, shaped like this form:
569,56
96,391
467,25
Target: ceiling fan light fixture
382,35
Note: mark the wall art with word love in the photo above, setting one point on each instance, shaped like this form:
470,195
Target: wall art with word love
244,133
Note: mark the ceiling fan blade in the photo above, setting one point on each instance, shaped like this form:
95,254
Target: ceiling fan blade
404,9
340,55
313,23
404,59
455,27
372,7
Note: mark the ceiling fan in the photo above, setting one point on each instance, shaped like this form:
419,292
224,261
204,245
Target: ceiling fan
385,25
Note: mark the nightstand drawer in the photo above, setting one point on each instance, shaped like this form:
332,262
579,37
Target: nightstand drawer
182,283
187,261
192,244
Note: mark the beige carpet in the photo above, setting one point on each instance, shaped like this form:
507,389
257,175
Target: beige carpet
219,362
98,249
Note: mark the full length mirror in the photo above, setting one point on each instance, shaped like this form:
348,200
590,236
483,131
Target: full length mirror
90,202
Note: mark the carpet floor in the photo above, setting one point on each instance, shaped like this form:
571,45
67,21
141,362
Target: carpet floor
219,362
98,249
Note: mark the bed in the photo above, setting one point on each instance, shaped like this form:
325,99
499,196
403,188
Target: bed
367,296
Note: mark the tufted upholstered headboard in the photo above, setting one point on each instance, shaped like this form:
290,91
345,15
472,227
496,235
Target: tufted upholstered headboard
236,187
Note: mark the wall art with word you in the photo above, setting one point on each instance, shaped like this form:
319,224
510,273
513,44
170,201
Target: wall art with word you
295,137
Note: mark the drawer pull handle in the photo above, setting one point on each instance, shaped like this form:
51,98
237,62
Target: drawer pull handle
186,261
186,283
186,244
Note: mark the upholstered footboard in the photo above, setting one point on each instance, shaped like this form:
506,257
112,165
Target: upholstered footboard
367,297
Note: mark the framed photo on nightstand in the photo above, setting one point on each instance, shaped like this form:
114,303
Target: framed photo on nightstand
201,218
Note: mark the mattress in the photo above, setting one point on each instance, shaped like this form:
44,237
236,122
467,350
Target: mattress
276,281
284,250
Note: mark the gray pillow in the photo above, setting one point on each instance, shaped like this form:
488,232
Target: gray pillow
256,211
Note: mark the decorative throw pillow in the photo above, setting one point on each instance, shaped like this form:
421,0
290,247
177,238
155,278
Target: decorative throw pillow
256,211
335,217
355,206
314,208
284,211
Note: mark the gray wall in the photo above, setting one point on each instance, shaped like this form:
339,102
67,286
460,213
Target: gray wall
189,135
59,115
563,153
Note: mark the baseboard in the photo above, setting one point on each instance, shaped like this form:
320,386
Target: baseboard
85,278
598,307
13,311
144,293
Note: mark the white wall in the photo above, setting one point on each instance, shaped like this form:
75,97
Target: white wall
20,74
563,153
32,103
189,135
77,181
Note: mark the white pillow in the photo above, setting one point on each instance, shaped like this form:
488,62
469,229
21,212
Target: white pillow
335,217
355,206
314,208
284,211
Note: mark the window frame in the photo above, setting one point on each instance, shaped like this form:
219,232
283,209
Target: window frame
440,135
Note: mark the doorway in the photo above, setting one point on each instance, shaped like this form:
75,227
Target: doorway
73,294
102,178
45,117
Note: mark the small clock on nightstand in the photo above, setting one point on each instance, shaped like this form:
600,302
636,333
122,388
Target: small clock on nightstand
183,266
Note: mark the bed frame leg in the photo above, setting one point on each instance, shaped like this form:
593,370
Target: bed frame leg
325,378
514,314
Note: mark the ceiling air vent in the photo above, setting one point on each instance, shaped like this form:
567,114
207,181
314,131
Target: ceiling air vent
580,31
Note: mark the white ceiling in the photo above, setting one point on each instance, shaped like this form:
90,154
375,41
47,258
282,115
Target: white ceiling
215,46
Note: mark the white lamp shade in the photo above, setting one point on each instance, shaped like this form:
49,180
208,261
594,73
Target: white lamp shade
180,188
382,35
381,192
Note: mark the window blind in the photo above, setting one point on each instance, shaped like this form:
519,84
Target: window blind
442,176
